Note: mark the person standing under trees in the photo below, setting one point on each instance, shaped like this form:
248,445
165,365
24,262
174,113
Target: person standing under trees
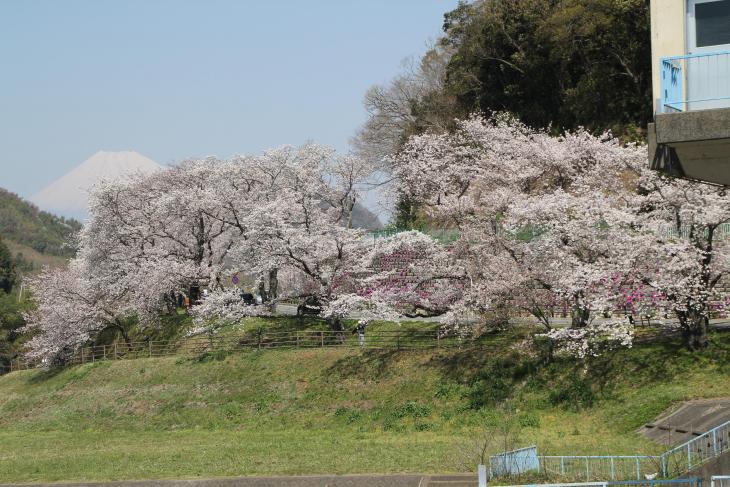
360,330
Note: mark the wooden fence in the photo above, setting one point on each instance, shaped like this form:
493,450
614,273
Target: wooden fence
260,340
268,340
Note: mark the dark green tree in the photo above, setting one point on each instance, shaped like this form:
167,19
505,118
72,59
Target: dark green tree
7,269
553,63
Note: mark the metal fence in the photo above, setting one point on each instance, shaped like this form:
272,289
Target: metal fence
688,482
720,481
600,467
693,453
695,82
564,484
258,340
673,463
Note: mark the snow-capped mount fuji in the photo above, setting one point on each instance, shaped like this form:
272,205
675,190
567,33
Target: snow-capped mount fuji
69,195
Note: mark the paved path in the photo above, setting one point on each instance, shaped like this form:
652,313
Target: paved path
413,480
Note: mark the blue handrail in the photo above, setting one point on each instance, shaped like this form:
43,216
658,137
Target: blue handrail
675,461
694,81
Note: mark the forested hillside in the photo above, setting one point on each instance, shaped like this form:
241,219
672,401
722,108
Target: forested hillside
29,240
37,235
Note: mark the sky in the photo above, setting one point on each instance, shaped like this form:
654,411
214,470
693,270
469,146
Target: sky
173,79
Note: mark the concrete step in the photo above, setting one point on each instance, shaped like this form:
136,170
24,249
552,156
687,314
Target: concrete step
451,481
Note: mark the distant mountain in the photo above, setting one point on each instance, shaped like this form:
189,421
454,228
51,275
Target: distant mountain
364,218
35,237
69,195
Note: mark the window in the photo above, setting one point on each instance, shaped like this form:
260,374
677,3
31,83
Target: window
713,23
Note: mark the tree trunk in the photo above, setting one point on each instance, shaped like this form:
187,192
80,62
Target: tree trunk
262,289
336,325
273,283
694,329
579,317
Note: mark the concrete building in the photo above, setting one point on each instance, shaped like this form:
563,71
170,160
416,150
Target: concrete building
690,136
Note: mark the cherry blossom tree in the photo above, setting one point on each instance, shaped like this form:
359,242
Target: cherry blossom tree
543,220
302,221
413,273
686,254
71,310
158,234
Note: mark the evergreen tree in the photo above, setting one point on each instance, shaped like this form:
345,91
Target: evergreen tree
7,269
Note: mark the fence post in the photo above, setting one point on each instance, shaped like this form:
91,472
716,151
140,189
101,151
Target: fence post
438,338
297,335
397,339
588,471
259,338
115,350
689,457
638,469
714,441
482,475
321,337
82,355
150,348
612,471
104,351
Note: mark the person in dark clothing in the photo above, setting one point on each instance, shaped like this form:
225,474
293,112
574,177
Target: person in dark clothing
360,330
247,298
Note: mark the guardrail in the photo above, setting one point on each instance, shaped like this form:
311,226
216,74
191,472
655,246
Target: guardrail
694,82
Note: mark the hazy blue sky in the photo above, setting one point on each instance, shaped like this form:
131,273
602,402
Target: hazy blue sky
178,78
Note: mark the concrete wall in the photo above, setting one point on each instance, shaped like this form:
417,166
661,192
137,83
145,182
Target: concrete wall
668,28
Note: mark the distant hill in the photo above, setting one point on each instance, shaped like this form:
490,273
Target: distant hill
365,219
41,238
69,195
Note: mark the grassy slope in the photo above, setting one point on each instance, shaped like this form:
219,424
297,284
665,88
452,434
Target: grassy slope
38,259
317,411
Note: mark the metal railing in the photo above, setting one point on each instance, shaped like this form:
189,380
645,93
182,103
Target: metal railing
691,454
597,467
673,463
568,484
688,482
720,481
695,82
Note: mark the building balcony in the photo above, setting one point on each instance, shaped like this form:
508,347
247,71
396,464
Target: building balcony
690,137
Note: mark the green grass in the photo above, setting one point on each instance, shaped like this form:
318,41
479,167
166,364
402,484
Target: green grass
334,410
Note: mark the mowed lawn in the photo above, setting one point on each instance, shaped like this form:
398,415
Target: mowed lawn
334,411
